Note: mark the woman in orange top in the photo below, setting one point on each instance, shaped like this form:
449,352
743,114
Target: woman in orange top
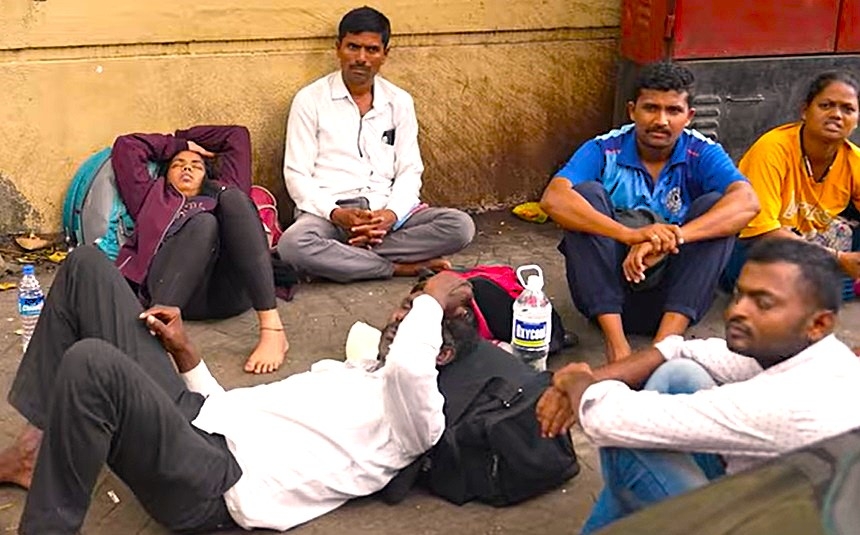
807,176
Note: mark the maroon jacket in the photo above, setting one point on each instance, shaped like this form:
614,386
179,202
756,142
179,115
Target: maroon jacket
153,204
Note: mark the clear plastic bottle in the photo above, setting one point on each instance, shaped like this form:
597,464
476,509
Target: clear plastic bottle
532,324
30,301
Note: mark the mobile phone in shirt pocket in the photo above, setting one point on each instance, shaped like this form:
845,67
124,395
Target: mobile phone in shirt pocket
388,136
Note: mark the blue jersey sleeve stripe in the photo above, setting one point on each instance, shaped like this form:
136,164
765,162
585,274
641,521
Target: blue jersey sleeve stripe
714,167
586,164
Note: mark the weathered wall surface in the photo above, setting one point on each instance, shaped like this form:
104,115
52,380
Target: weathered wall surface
504,89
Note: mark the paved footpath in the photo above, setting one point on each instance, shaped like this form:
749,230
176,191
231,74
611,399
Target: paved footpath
317,321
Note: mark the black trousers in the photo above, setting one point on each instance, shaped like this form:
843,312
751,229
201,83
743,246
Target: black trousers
597,283
217,265
103,390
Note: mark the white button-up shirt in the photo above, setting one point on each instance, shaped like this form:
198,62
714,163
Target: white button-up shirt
333,153
312,441
752,416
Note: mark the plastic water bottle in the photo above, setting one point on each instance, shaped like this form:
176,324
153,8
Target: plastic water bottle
532,320
30,301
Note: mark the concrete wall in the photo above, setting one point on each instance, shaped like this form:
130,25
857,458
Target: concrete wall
504,89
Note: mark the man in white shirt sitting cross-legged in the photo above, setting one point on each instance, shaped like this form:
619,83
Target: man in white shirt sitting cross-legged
779,381
353,167
97,387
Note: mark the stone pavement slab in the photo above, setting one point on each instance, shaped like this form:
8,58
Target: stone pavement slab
317,321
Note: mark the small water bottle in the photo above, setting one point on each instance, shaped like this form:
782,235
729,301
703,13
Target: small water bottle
30,301
532,320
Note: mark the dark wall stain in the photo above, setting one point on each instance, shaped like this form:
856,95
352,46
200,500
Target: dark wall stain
16,213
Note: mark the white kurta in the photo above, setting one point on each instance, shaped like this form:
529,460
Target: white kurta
312,441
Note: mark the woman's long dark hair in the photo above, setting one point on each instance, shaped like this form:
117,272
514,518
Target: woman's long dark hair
823,81
211,173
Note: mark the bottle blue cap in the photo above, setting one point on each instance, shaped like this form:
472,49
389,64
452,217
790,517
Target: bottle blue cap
28,269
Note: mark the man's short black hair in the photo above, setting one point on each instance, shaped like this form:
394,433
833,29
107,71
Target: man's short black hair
665,76
818,267
365,19
460,333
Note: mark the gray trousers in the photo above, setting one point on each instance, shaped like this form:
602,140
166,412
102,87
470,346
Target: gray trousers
105,392
318,247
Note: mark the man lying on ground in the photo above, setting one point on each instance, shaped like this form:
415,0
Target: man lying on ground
780,380
98,383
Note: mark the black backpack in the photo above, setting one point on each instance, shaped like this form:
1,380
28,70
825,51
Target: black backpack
491,450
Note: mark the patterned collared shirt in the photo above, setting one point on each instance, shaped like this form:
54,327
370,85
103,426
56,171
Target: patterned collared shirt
753,415
697,166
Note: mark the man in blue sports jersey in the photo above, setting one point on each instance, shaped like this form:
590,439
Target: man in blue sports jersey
650,211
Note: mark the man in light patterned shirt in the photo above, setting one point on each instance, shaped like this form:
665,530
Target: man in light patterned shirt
779,381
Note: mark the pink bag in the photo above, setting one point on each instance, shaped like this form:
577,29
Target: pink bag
267,208
505,277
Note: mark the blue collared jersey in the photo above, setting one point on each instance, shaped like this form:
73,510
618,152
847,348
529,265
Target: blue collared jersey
697,166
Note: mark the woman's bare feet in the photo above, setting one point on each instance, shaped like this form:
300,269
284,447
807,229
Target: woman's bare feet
269,354
18,460
273,345
412,270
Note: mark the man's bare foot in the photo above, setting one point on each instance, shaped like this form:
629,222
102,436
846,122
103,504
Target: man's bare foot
614,353
269,353
412,270
18,460
617,346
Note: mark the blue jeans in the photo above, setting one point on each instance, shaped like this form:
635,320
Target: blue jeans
636,478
